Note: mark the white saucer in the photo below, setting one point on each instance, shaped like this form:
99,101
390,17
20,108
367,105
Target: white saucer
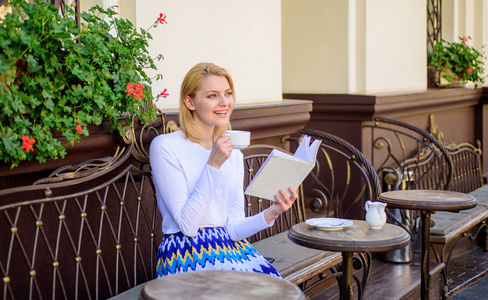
329,223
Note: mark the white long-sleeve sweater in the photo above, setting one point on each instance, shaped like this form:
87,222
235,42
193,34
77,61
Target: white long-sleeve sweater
192,194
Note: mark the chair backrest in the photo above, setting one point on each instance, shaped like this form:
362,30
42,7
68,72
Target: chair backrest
466,159
342,181
401,152
467,171
89,231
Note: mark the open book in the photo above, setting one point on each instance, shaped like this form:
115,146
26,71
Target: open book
281,170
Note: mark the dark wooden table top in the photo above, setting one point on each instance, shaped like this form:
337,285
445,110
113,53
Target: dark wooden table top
430,200
238,285
356,238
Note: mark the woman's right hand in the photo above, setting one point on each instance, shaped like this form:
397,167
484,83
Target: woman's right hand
221,150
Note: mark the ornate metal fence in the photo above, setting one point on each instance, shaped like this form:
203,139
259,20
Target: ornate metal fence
433,23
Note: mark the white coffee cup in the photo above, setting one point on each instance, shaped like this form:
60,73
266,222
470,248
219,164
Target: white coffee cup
240,139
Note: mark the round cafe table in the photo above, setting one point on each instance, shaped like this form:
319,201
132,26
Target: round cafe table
235,285
427,201
356,238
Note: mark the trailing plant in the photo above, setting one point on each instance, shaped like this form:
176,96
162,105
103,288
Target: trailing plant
457,62
57,77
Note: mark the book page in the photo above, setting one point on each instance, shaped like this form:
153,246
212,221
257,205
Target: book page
307,152
302,152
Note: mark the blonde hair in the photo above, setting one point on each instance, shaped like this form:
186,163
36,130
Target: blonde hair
190,84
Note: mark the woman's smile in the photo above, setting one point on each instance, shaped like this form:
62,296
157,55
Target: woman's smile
222,113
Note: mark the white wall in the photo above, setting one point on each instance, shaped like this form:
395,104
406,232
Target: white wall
396,45
315,46
354,46
242,36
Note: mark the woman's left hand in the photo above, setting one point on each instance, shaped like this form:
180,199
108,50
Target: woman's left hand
283,203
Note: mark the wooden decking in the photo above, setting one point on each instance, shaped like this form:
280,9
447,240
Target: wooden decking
392,281
402,281
467,269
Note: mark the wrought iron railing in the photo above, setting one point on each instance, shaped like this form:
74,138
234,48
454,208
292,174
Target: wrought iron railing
433,23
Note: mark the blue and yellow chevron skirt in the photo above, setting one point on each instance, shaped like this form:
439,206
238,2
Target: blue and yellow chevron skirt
210,249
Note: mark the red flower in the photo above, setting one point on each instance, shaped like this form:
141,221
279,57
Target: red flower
79,128
135,89
457,78
470,70
27,143
465,39
448,70
164,94
129,90
162,19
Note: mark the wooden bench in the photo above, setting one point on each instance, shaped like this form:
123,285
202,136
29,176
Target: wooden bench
451,230
92,230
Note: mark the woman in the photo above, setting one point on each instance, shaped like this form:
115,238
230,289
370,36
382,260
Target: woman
199,184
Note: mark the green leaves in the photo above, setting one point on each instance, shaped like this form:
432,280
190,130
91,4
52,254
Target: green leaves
8,137
53,74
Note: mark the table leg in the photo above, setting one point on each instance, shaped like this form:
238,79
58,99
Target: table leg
425,280
346,288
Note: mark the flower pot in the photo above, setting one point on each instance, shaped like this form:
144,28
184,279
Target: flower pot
433,77
456,84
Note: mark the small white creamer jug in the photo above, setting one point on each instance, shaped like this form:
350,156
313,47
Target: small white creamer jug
375,214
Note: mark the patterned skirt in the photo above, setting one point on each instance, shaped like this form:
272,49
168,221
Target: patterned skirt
210,249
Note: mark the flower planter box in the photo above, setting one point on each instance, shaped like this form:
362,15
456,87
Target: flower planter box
100,143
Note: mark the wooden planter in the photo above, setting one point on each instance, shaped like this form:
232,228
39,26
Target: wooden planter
433,77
